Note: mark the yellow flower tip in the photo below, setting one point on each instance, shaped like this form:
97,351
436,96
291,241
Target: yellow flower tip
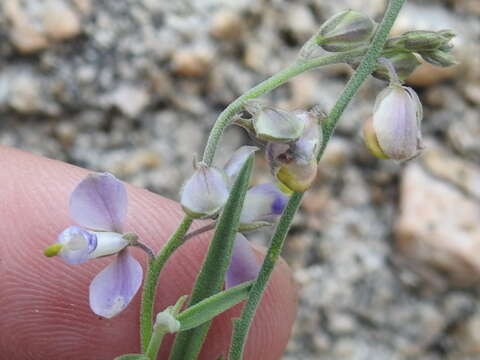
52,250
283,188
296,177
371,140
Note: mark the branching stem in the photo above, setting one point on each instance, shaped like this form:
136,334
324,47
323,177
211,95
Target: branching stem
242,325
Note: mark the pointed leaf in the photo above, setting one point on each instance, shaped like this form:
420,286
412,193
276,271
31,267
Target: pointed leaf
207,309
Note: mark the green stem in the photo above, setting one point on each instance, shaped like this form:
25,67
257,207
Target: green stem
266,86
368,64
150,284
156,341
242,325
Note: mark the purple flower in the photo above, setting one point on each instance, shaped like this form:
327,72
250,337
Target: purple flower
243,265
263,205
263,202
99,205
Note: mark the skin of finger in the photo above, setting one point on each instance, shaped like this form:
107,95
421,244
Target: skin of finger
44,312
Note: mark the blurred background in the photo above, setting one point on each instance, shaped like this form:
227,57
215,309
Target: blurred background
386,255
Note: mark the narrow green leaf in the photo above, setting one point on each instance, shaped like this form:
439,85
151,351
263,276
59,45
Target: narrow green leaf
132,357
211,277
207,309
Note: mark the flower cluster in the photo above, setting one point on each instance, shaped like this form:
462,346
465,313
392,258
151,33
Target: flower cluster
205,193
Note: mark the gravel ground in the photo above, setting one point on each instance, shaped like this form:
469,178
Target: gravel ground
385,254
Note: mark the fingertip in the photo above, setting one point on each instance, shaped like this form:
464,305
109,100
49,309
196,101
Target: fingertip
45,313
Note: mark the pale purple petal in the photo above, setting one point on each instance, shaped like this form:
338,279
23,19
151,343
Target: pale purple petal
243,266
77,244
239,157
263,202
115,286
99,202
205,193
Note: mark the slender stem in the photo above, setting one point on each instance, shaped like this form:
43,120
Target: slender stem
132,238
199,231
242,325
150,284
146,249
156,341
391,70
266,86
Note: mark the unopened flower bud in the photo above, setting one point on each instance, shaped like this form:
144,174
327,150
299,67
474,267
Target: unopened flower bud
421,40
277,125
394,131
205,193
404,63
345,31
439,58
167,320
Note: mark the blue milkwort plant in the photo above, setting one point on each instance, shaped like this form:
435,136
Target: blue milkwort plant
293,142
